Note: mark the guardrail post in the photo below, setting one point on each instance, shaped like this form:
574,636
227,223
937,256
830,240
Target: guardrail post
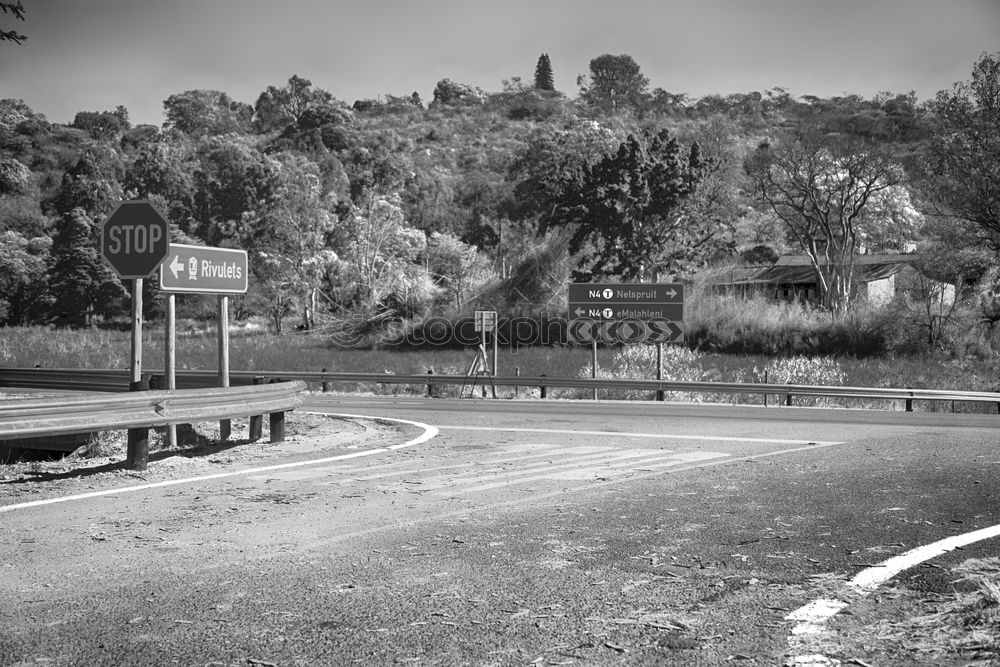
542,390
277,427
788,399
765,393
257,421
517,373
137,453
430,387
276,422
326,385
909,402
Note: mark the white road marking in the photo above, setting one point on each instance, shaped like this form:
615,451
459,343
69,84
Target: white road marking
521,464
626,434
394,470
568,472
814,615
429,432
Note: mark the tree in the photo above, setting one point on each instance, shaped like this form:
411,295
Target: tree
823,189
164,169
206,112
81,284
456,266
277,108
296,255
233,181
14,177
379,253
23,266
101,125
17,10
628,213
92,183
543,73
616,82
448,92
961,175
552,163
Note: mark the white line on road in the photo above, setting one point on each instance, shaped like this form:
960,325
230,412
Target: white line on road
626,434
429,432
814,615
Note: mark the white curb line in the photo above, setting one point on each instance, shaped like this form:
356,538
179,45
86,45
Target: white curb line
429,432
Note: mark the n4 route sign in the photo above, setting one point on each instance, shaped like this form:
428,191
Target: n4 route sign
203,270
627,301
626,312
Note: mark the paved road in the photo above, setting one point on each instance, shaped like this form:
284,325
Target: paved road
525,532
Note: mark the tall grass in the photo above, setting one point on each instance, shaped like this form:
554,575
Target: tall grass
756,325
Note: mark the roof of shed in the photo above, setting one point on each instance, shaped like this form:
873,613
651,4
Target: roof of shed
798,269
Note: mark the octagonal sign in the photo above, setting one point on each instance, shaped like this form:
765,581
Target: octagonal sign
134,239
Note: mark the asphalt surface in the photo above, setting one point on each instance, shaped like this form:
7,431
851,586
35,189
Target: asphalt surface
524,532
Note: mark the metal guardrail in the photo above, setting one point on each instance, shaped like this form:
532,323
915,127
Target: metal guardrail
113,380
64,415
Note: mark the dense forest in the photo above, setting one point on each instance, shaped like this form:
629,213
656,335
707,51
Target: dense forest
393,208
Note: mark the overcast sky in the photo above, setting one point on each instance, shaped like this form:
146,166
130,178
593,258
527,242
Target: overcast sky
96,54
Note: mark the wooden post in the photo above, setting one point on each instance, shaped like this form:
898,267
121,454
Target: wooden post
326,385
277,427
493,370
659,369
542,389
170,359
225,425
257,421
593,368
482,351
137,453
430,387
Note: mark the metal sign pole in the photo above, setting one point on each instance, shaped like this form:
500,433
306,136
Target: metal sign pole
136,347
494,349
659,369
170,360
225,425
137,447
593,370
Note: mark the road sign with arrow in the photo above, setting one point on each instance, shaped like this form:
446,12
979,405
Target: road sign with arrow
202,270
626,312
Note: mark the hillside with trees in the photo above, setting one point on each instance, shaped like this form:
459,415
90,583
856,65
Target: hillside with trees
394,208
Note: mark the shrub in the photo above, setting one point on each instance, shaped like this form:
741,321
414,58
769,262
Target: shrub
639,362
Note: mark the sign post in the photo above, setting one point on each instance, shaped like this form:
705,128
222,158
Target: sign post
486,322
134,242
626,313
192,269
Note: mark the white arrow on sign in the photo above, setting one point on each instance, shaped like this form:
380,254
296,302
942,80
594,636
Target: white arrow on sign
176,266
580,311
672,293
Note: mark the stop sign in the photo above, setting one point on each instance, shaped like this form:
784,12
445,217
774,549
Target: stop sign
134,239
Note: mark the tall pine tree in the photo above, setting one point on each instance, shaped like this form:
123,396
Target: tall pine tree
543,73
